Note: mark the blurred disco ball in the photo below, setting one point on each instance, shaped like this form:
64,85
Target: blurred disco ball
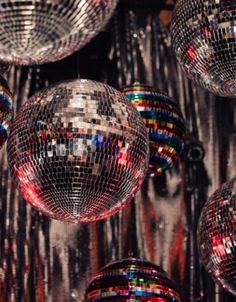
164,122
216,236
131,280
193,151
204,40
6,111
78,151
36,32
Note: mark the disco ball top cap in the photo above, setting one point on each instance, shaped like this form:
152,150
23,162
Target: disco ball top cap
78,151
37,32
131,279
204,40
216,236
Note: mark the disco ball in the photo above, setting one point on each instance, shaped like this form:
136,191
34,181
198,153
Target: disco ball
193,152
131,280
36,32
6,111
164,122
78,151
216,236
204,40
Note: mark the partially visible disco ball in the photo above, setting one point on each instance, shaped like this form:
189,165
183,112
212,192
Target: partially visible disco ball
78,151
216,236
164,122
193,151
36,32
6,111
131,280
204,40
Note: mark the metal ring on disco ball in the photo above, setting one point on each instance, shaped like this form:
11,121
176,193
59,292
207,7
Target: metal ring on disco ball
78,151
131,280
6,111
164,123
204,40
36,32
216,236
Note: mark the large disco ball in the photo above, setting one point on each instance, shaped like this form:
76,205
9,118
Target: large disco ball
164,122
35,32
6,111
78,151
204,40
131,280
216,236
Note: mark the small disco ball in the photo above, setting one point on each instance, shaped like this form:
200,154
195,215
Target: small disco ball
36,32
204,40
216,236
164,122
78,151
6,111
193,151
131,280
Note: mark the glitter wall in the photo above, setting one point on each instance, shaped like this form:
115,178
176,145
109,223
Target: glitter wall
45,260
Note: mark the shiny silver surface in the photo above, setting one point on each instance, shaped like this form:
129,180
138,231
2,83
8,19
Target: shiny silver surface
36,32
78,151
204,40
216,236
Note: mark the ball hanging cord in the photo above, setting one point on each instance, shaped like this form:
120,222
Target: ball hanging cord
131,279
78,65
195,183
204,41
216,237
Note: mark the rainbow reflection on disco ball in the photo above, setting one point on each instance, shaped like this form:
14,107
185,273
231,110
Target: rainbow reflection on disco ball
6,111
36,32
216,236
164,122
78,151
204,40
131,280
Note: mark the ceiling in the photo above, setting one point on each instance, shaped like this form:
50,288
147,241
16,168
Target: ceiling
163,8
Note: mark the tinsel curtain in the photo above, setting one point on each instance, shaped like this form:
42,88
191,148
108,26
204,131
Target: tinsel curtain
46,260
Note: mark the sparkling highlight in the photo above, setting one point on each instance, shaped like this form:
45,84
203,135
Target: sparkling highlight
216,236
164,123
204,39
78,151
131,280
